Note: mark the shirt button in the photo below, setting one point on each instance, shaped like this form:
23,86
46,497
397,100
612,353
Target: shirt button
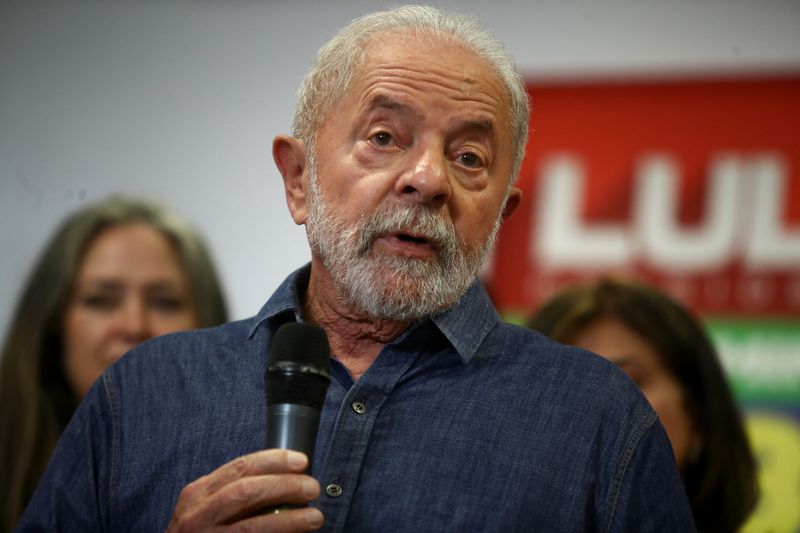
333,490
359,407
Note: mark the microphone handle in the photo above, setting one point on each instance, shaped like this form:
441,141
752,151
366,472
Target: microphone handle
293,427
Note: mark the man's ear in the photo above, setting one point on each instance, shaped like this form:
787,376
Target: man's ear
512,202
290,158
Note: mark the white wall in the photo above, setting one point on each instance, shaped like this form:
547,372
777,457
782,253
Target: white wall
180,100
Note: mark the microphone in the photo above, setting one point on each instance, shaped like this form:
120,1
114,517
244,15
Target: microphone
297,377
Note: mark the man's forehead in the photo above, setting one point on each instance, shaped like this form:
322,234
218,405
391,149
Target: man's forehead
398,54
418,44
440,58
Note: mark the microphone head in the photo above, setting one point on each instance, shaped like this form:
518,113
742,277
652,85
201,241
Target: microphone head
300,345
298,369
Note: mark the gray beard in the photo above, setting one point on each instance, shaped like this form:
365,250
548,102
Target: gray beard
392,287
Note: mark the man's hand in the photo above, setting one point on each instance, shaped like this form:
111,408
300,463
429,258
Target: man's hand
237,494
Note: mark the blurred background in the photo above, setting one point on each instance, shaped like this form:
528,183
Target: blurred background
665,143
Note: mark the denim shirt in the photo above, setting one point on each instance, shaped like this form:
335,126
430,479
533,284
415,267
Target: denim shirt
463,423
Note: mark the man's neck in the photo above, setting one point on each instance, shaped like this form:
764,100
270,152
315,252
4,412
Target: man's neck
355,338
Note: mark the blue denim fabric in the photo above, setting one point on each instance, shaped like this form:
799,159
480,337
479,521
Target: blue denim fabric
470,424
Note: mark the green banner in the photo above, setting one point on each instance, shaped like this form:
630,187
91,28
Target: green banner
761,358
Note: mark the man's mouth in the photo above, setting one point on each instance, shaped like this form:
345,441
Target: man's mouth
408,244
412,238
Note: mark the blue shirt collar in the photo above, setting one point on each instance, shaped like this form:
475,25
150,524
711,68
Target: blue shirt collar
465,325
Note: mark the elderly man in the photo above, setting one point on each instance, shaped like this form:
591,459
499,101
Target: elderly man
409,132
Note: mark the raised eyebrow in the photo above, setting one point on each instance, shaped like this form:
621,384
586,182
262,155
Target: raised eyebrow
483,126
383,101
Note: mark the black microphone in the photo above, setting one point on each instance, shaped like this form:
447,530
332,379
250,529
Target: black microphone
297,376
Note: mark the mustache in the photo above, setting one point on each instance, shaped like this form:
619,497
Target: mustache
412,219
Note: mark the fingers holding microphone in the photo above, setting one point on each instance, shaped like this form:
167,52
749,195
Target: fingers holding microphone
237,493
267,490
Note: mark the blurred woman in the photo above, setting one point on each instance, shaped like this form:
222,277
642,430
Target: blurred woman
666,352
113,275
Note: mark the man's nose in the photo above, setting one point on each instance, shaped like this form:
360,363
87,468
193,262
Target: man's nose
427,181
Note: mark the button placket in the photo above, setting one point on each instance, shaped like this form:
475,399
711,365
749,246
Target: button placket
346,448
334,490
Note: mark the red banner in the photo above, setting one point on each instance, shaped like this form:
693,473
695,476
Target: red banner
691,184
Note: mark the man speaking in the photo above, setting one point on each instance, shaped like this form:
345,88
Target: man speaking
408,136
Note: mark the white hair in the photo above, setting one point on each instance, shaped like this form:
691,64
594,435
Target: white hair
337,61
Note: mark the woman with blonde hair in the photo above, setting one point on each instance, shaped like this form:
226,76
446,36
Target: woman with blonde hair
113,275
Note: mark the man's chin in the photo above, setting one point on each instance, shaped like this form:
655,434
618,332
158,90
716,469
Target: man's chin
405,266
393,295
389,281
398,288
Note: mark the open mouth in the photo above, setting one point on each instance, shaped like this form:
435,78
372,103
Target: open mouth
405,237
409,244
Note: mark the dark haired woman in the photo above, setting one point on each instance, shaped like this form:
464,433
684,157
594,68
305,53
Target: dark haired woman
665,351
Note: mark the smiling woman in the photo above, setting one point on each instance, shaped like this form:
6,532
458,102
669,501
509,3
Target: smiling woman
113,275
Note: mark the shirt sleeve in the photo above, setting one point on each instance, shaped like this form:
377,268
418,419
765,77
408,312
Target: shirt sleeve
649,495
74,490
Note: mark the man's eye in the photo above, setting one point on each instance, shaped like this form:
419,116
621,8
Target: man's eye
469,159
382,138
